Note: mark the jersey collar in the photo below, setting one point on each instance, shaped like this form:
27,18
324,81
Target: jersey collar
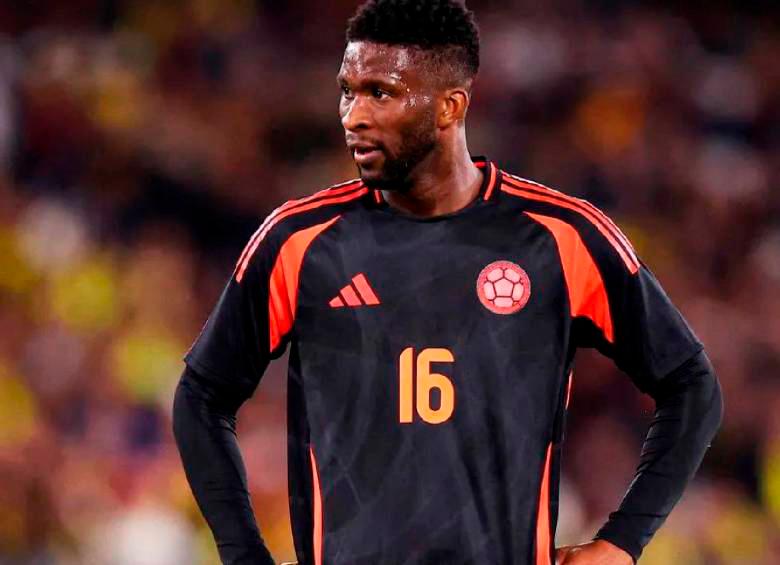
490,180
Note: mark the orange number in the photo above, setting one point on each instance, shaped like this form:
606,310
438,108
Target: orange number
406,377
426,382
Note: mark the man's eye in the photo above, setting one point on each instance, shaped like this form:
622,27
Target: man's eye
379,94
346,92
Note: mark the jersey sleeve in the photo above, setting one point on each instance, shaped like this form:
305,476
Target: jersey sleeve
638,327
233,349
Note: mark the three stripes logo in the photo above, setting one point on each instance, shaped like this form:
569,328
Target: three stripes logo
356,293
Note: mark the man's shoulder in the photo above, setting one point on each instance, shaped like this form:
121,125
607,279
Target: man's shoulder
533,195
315,208
558,211
315,213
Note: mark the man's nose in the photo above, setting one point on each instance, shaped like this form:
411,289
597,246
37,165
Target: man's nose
356,114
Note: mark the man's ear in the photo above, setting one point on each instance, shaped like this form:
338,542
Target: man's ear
454,105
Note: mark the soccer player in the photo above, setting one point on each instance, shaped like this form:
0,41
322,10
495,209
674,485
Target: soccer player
432,309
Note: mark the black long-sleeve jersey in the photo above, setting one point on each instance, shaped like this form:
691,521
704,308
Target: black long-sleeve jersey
431,362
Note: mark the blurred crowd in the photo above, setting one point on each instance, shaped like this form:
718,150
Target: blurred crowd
142,142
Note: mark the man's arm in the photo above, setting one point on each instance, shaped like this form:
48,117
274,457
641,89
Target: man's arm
204,424
224,367
620,308
689,409
688,412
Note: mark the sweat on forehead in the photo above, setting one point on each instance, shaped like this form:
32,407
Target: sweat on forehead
402,62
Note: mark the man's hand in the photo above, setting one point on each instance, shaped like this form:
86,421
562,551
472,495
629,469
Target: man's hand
598,552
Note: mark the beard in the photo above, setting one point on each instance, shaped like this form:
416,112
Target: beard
418,140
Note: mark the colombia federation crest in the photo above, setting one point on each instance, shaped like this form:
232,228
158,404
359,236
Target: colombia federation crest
503,287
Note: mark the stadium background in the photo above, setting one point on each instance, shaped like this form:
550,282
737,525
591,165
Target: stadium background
141,142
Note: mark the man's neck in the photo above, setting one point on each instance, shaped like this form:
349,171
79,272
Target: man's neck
444,183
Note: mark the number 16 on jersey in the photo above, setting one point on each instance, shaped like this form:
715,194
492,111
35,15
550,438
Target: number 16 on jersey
419,397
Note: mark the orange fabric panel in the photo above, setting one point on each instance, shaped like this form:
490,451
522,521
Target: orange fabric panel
283,288
587,294
543,541
613,235
317,495
290,209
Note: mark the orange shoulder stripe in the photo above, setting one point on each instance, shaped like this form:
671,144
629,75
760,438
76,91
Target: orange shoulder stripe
587,294
539,187
605,226
283,287
334,190
303,207
331,190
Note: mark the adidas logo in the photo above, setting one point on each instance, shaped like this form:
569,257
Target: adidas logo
356,293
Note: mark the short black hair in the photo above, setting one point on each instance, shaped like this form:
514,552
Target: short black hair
445,28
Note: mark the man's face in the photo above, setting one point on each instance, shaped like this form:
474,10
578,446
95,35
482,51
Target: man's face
388,112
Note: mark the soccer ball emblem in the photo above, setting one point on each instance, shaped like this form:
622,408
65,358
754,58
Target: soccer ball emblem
503,287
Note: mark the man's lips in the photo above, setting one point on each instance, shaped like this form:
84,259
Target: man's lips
364,153
364,157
